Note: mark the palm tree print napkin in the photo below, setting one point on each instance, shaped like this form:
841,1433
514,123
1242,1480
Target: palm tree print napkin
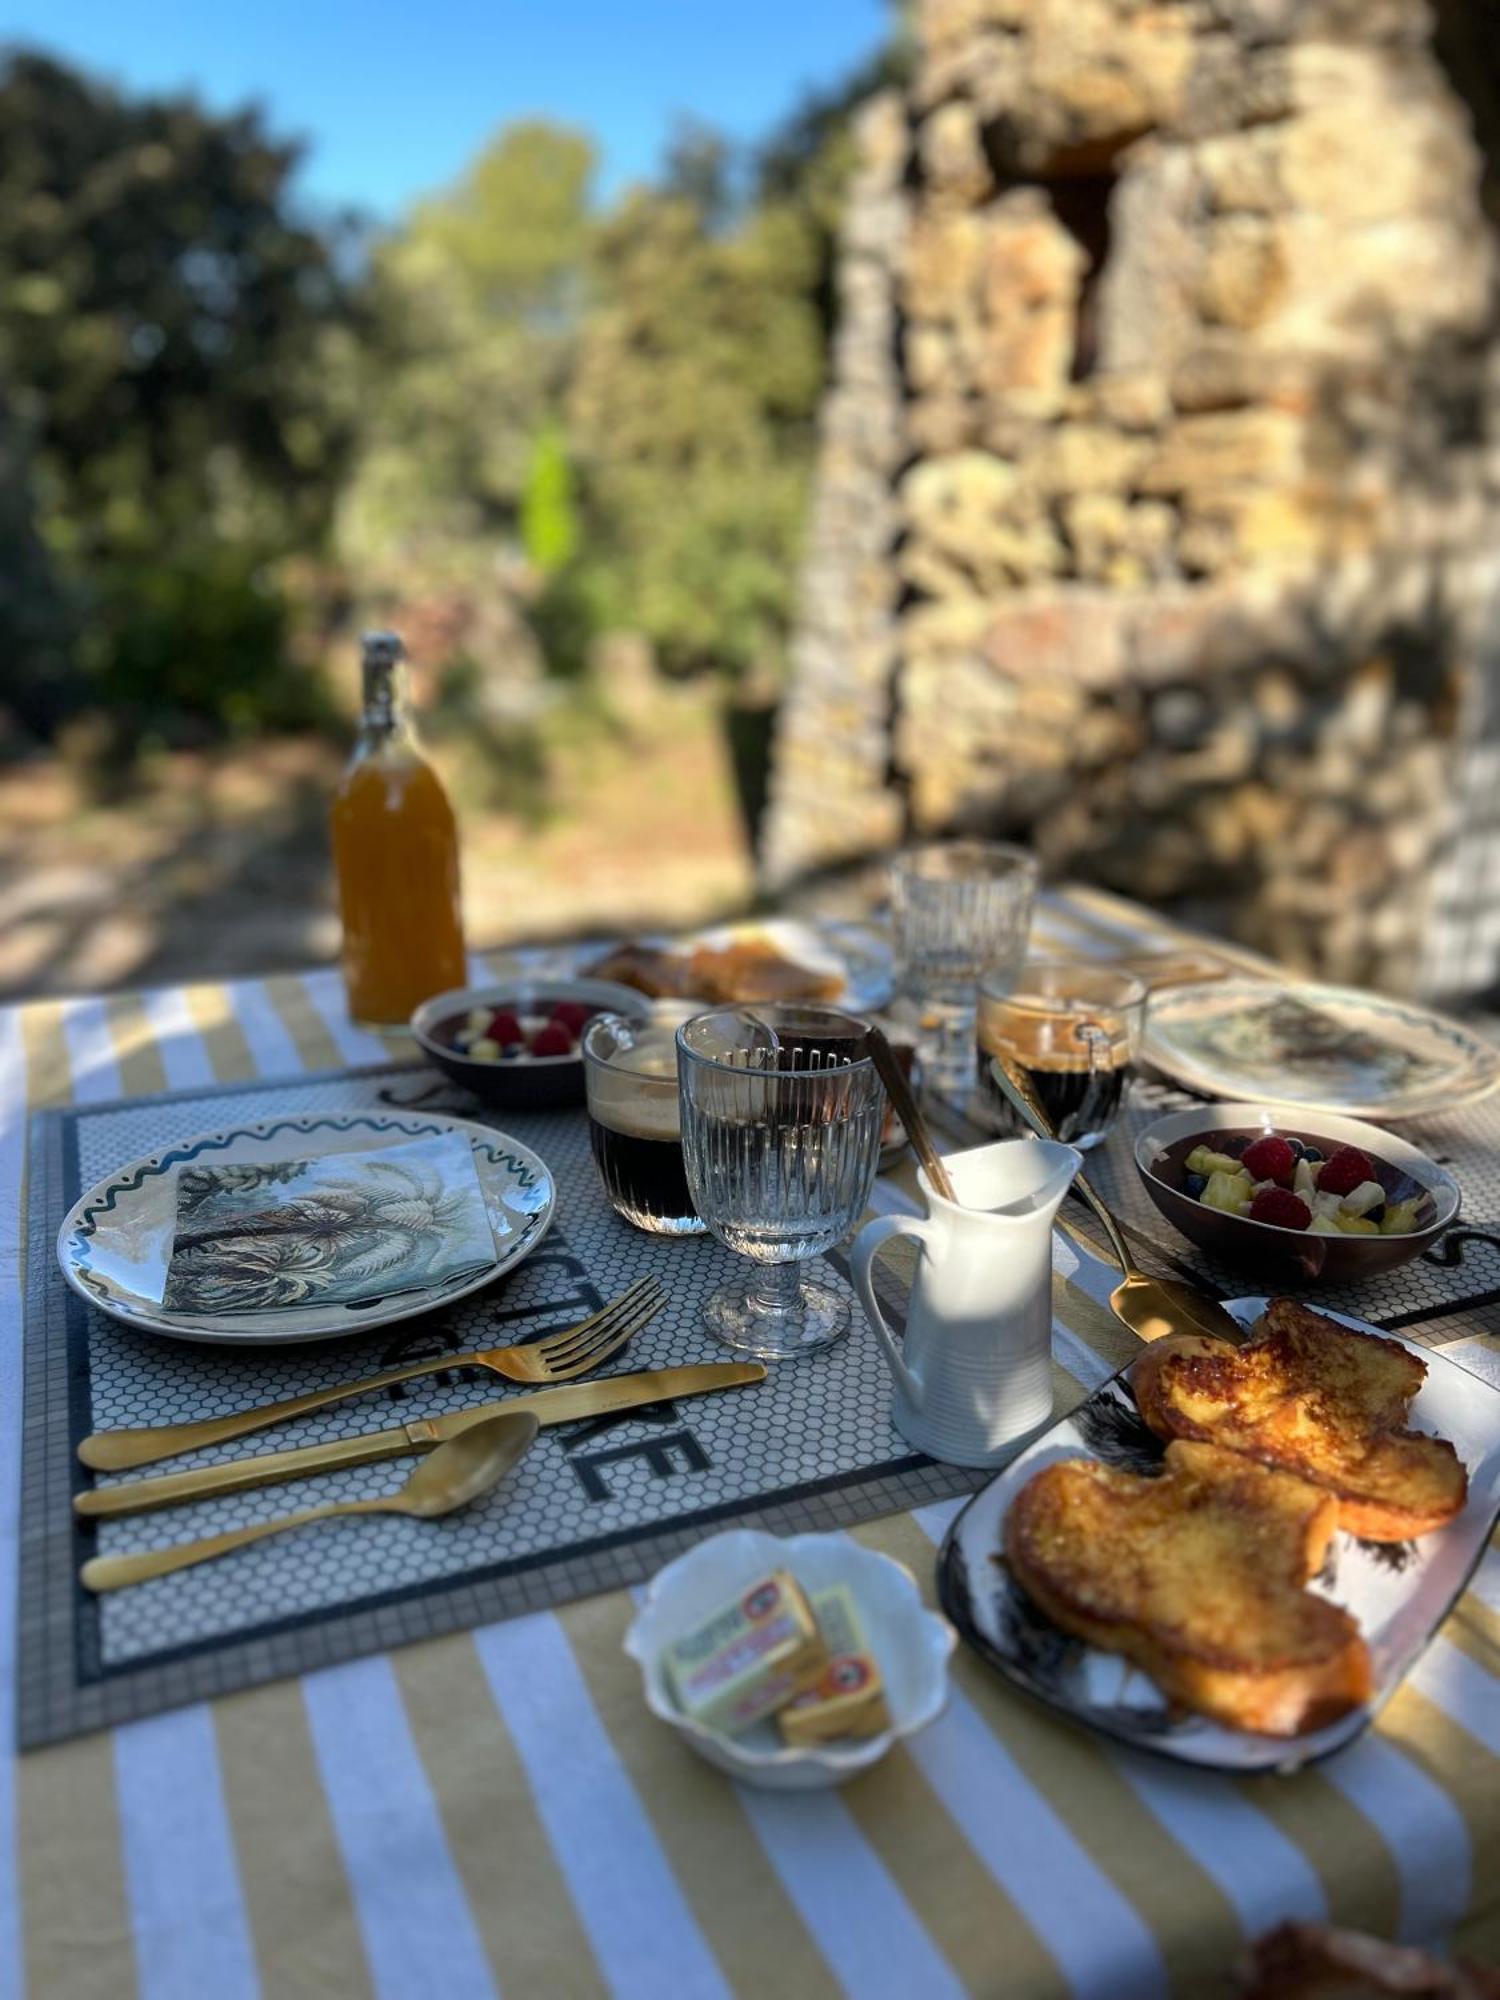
342,1229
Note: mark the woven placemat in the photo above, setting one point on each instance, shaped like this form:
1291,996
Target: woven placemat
595,1505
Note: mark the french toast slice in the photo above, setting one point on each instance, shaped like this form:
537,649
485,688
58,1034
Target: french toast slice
1198,1577
1320,1400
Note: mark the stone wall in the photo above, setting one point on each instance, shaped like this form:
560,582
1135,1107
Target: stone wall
1155,520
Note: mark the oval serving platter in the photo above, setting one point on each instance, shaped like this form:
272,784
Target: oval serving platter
1399,1592
1317,1048
116,1242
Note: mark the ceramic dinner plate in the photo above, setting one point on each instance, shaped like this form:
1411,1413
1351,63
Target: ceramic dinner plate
846,952
1317,1048
116,1244
1399,1592
858,957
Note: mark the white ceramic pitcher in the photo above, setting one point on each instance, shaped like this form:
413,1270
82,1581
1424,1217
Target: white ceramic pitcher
974,1372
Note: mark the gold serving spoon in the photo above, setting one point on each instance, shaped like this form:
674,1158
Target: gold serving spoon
449,1478
909,1111
1150,1307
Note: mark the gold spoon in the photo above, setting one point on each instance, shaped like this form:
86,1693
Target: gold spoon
904,1098
447,1479
1150,1307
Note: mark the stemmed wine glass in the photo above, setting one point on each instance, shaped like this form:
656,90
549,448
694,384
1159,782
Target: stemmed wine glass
781,1117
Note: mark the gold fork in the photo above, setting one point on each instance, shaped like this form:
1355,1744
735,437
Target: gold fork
558,1358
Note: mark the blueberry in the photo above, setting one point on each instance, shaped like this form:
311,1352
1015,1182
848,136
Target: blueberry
1298,1149
1194,1184
1311,1154
1375,1214
513,1049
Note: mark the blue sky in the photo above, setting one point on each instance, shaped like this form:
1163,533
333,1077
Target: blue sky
395,96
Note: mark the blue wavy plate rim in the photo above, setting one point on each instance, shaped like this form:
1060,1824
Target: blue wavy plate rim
499,1149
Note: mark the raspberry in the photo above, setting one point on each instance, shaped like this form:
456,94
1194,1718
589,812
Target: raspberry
553,1040
1270,1159
1281,1206
504,1028
572,1015
1344,1169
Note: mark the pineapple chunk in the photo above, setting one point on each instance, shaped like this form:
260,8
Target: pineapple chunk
485,1049
1323,1225
1360,1200
1400,1218
1231,1192
1203,1160
1357,1225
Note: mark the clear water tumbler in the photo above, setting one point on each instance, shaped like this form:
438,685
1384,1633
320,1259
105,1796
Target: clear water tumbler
960,912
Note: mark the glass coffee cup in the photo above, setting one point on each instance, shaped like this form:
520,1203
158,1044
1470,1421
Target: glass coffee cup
635,1127
1072,1031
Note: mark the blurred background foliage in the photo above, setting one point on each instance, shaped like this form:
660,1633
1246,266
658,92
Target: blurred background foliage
524,424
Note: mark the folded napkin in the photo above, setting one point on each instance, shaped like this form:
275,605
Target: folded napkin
342,1229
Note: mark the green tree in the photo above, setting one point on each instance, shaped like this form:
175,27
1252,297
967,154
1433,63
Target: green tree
691,414
173,339
475,302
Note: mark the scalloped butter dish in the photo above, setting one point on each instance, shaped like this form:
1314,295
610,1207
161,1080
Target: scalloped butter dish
911,1646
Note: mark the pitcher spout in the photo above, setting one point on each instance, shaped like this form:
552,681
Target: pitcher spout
1020,1181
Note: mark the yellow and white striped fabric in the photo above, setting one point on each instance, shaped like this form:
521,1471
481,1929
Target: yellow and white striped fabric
496,1813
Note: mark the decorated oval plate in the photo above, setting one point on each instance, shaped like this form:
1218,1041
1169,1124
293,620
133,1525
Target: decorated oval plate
1318,1048
307,1227
1397,1592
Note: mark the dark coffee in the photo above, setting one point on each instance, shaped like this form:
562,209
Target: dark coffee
643,1177
631,1076
1079,1102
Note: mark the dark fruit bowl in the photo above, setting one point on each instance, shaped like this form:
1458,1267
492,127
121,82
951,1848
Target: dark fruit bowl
527,1082
1292,1256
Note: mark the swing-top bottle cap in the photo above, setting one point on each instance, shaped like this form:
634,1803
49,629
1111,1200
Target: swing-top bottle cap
382,649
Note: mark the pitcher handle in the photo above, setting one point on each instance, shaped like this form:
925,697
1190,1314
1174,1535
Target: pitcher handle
867,1246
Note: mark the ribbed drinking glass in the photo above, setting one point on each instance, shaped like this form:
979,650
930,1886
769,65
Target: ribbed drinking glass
781,1117
960,912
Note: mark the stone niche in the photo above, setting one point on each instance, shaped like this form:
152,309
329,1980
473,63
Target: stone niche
1158,512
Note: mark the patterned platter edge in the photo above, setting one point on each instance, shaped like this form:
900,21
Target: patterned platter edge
1483,1061
1198,1743
497,1147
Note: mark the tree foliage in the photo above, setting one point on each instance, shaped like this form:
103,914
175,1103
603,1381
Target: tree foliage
691,410
172,334
475,300
615,406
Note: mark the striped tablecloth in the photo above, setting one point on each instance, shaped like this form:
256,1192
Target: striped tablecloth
497,1813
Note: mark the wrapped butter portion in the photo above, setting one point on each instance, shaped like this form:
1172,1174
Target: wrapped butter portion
750,1658
848,1697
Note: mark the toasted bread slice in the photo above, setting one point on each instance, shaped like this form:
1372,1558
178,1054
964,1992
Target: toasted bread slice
1317,1399
1198,1577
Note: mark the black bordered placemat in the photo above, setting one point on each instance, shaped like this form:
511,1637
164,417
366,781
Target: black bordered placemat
596,1506
1450,1292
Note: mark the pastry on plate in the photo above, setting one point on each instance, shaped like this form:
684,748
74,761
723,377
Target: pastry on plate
1317,1399
1199,1577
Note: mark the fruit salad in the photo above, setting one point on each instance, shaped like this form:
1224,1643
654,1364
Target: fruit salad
499,1034
1296,1185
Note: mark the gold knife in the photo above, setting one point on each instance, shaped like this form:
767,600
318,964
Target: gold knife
548,1406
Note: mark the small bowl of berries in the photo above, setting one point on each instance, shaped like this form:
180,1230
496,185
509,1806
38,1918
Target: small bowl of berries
517,1041
1326,1198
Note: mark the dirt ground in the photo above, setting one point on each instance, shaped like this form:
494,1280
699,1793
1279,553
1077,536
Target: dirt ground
216,864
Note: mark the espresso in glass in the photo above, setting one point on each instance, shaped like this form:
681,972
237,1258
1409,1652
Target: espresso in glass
1070,1032
630,1070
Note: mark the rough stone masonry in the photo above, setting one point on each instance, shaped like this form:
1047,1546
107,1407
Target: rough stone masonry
1158,511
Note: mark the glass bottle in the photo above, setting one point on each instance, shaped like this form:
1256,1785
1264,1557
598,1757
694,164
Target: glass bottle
395,850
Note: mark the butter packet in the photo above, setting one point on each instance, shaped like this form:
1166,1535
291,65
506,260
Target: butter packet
750,1658
848,1697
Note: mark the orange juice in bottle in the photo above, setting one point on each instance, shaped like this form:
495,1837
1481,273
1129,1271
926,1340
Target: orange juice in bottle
395,850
